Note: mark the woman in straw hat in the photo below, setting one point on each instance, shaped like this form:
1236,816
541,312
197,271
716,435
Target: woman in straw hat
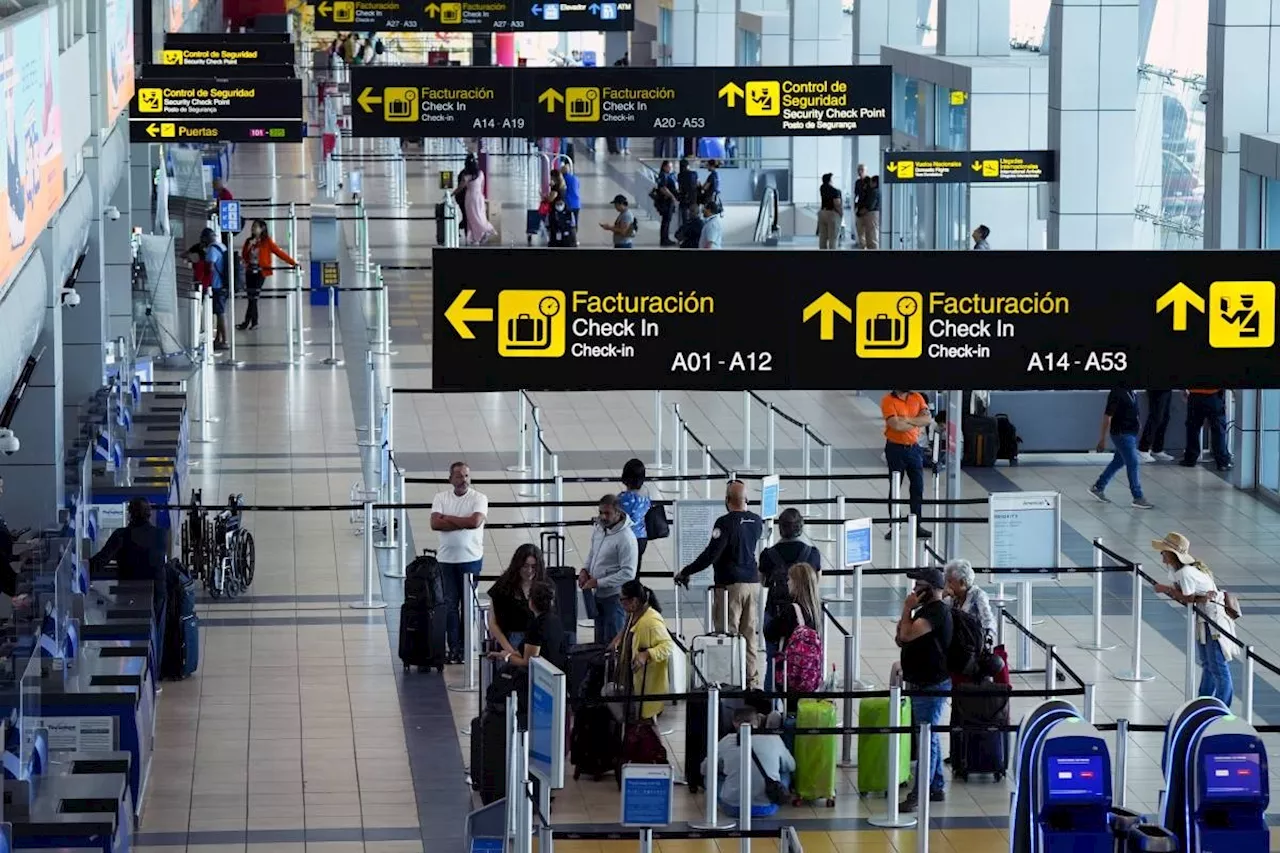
1191,582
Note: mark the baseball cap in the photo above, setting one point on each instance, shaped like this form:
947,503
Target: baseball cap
620,199
933,577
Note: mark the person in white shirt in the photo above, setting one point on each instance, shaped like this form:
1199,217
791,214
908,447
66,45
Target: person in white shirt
712,227
772,753
1191,582
458,515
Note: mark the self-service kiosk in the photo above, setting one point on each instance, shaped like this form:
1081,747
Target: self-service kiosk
1216,782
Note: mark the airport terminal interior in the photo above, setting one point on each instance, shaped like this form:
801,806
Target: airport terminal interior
250,395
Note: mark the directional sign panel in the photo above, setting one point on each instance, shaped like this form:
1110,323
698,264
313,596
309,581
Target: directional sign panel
234,51
616,101
400,100
577,16
219,72
1012,320
968,167
628,101
837,100
211,110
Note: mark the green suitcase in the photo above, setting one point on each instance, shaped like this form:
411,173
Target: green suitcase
873,750
816,755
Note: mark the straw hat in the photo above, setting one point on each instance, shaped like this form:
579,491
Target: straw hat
1177,545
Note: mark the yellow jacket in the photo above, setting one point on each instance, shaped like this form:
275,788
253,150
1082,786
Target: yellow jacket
648,633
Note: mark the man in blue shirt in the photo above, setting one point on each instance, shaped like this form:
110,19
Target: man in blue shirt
572,199
215,255
712,227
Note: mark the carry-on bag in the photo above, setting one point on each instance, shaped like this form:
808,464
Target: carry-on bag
595,742
641,742
565,581
981,442
424,579
695,736
181,650
588,668
489,756
873,750
718,658
816,755
980,751
422,635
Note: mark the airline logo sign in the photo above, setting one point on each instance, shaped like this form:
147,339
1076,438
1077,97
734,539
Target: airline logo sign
521,102
969,167
1037,320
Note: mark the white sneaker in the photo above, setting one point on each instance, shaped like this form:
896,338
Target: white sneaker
1146,456
1163,457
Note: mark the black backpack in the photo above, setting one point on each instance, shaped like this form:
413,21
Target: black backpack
690,233
1008,439
967,643
423,582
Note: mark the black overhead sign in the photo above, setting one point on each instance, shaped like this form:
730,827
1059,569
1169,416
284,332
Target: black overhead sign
474,16
212,110
233,51
629,101
968,167
222,72
228,38
1009,320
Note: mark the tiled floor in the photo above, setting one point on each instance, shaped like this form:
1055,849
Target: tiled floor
301,734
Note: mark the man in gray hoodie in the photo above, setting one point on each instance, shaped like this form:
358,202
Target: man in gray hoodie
611,562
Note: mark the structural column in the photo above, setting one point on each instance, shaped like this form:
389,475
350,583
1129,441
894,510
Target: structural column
704,32
973,27
1093,93
876,24
1244,91
84,330
37,470
816,39
775,52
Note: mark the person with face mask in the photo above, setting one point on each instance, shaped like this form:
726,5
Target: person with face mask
924,635
612,561
561,231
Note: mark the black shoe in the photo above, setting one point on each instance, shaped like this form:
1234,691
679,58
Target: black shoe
253,325
242,326
921,533
1226,466
909,804
1188,463
888,535
937,795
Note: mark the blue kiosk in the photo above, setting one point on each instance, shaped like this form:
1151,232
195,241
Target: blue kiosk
1217,787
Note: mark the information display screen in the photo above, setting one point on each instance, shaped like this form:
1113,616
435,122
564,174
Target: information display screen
1233,776
1076,777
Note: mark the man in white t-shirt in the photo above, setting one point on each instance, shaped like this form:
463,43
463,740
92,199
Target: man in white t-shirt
458,515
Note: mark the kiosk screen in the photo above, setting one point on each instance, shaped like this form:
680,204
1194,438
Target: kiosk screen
1233,776
1076,777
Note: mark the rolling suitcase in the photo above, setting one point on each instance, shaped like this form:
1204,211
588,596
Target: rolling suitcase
588,666
718,658
873,750
816,755
489,757
980,751
181,655
981,442
422,635
565,580
595,742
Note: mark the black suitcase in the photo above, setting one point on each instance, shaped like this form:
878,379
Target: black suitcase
423,579
489,757
422,635
595,742
981,442
565,580
980,751
588,669
1008,438
440,224
180,652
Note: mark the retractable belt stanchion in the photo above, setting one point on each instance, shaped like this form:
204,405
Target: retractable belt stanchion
1246,689
712,792
856,632
895,529
370,599
1135,672
684,461
842,589
513,778
469,638
333,359
747,764
706,471
658,464
677,427
300,325
230,284
290,348
850,684
893,817
1097,645
401,529
1090,703
522,411
1121,773
746,431
371,404
1050,668
924,756
827,509
534,487
1190,669
771,438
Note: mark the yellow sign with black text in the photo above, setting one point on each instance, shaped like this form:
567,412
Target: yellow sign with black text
969,167
1242,314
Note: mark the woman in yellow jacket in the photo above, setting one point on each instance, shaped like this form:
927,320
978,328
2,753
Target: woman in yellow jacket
645,646
257,253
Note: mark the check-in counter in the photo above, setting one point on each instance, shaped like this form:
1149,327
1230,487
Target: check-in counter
80,812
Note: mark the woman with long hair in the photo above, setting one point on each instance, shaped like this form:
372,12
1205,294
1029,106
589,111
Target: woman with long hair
644,646
257,253
509,612
794,631
545,635
478,228
1191,582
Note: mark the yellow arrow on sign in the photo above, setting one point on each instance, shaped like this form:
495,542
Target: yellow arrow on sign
977,166
550,97
892,167
731,92
1181,298
827,307
324,9
153,129
459,315
367,99
432,10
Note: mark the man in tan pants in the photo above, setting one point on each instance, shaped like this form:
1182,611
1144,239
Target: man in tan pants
732,552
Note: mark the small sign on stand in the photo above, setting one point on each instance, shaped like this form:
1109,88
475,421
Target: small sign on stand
770,489
857,542
229,218
646,799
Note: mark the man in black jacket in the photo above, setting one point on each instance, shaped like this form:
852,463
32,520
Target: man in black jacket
732,553
139,552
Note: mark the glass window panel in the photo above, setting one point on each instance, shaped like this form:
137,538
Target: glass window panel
1180,36
1271,214
1269,442
1027,19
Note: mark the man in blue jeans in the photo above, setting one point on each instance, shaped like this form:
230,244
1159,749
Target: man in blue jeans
612,561
458,514
1122,421
924,635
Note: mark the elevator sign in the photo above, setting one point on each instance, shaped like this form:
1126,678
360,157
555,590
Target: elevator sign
1036,320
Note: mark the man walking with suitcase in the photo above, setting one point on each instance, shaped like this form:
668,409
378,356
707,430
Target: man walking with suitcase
458,514
732,551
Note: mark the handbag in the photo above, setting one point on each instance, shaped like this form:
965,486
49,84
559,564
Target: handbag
544,208
1231,604
774,791
655,522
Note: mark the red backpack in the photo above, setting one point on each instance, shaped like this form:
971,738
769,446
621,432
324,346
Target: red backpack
802,657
